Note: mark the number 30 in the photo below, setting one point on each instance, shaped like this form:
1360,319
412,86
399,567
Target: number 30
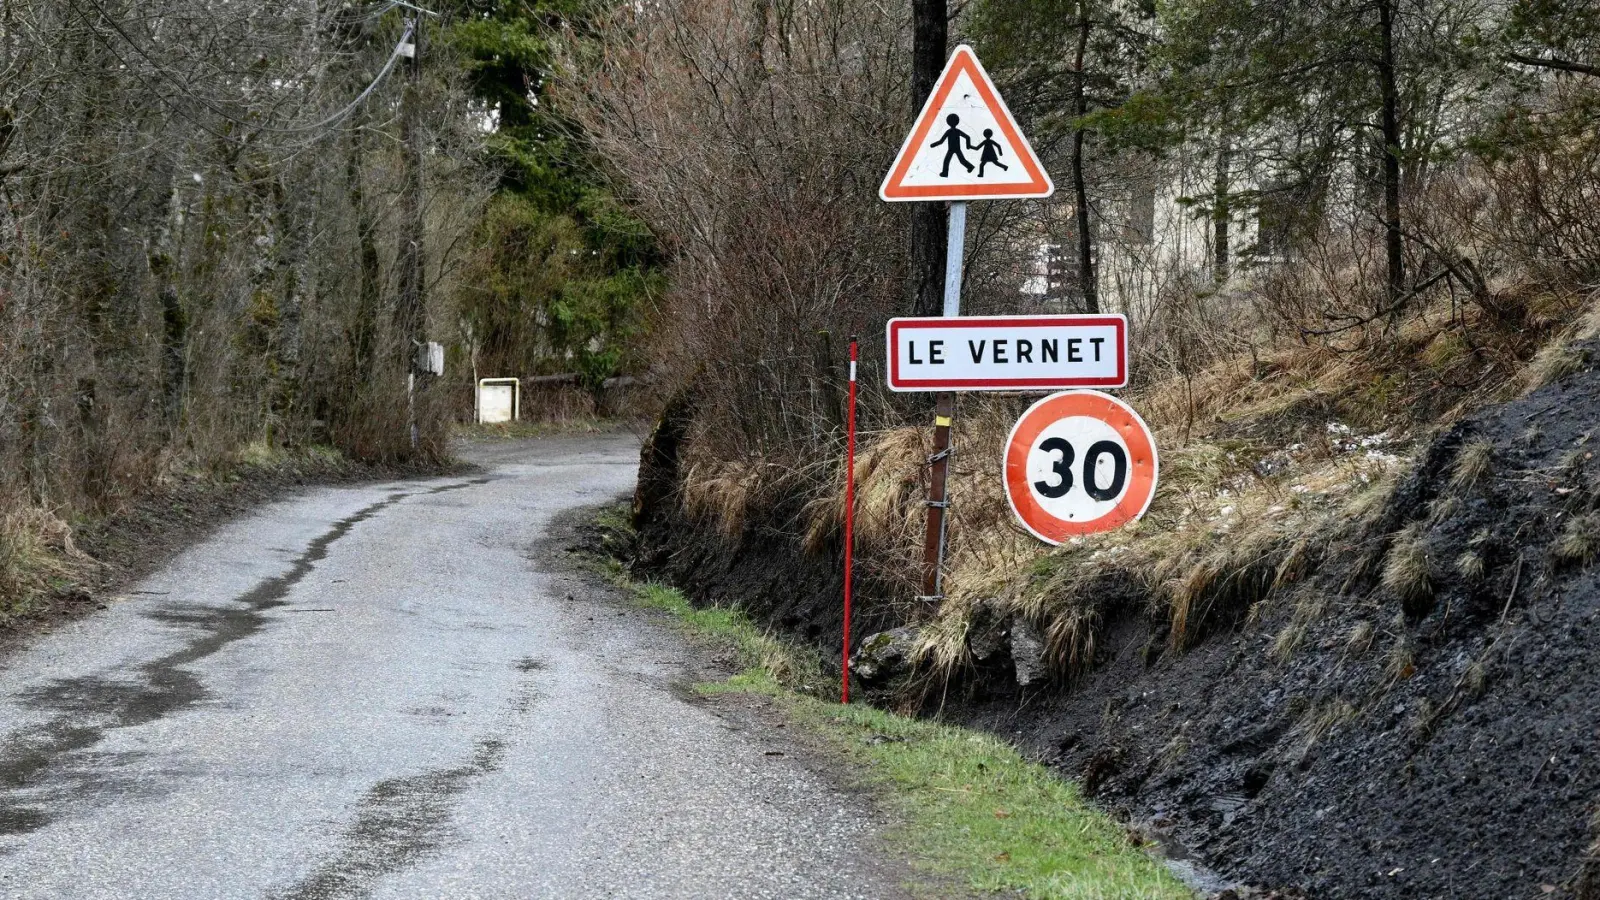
1063,469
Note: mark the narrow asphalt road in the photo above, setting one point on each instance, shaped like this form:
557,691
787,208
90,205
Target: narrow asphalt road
383,692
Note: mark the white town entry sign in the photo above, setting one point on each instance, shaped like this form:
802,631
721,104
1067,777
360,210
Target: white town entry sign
1008,353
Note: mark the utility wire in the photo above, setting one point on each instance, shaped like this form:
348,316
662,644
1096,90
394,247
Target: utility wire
369,16
413,6
399,50
388,67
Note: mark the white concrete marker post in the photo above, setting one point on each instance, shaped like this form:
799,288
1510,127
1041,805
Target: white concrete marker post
498,400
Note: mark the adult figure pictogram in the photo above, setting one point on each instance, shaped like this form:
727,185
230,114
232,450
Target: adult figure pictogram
989,152
955,138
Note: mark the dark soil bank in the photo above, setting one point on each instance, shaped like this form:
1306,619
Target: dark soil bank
765,574
1444,744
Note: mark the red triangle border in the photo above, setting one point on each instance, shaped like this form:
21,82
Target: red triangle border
894,188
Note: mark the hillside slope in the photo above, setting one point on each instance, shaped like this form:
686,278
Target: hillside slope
1394,696
1429,734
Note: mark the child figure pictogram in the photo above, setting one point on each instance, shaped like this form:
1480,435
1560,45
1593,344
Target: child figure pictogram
955,137
988,152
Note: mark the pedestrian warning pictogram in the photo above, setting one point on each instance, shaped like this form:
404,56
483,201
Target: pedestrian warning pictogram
965,145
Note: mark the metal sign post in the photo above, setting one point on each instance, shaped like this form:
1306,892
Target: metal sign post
849,517
933,546
955,258
964,145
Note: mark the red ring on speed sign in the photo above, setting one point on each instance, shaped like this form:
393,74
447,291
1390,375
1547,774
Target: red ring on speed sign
1084,430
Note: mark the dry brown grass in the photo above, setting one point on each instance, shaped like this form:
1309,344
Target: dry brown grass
1376,377
889,478
1266,459
889,488
720,494
1575,459
1406,569
1470,565
1359,640
35,549
1400,663
1239,517
1323,719
1293,634
890,473
1556,361
1579,541
1558,358
1219,541
942,643
1443,508
1474,462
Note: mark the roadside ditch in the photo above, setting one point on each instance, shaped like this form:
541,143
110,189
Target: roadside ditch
67,570
973,815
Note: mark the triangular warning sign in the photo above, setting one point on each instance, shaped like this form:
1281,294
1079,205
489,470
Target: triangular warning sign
965,145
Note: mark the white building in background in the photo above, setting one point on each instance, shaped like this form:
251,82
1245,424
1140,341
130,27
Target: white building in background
1154,235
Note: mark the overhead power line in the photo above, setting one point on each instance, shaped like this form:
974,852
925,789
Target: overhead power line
413,6
388,66
327,122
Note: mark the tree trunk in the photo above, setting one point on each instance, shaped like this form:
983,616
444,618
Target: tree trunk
410,311
365,328
1391,150
1080,190
162,261
174,346
929,238
289,269
1221,213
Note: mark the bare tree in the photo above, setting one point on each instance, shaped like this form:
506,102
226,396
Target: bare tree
197,202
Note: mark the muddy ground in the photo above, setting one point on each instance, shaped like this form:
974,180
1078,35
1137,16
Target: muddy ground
1444,744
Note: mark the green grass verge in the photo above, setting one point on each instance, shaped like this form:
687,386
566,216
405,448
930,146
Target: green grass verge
971,807
974,808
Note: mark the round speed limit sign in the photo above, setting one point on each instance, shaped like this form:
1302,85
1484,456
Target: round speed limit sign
1079,462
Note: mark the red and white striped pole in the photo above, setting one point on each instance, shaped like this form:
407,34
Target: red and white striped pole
849,515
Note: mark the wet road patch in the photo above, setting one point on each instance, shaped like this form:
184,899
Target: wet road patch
399,821
33,780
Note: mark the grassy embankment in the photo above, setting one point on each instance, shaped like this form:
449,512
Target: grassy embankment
970,807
